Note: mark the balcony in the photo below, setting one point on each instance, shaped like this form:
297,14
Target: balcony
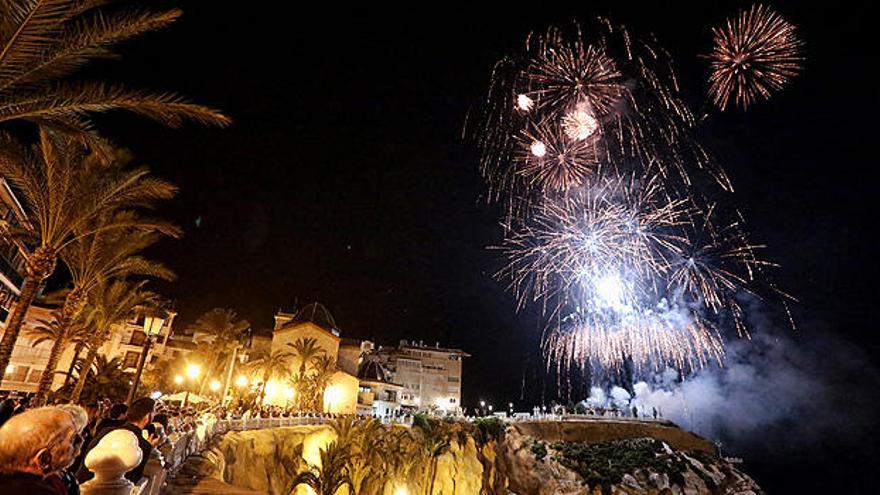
10,272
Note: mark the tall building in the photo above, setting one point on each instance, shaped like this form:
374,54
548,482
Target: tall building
430,375
12,263
409,377
128,338
28,360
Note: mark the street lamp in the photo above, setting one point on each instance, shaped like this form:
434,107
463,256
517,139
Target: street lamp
178,379
215,385
152,327
192,371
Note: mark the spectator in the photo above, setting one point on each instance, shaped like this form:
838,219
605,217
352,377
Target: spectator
115,417
139,415
35,446
66,479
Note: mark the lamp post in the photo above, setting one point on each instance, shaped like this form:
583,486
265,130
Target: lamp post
152,327
192,371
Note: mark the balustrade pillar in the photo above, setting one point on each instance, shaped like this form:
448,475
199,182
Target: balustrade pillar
116,454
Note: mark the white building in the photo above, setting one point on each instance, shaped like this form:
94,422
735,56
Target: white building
430,375
418,377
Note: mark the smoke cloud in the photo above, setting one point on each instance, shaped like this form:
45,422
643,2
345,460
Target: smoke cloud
792,391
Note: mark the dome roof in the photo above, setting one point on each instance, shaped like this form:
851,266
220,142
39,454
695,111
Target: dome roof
372,370
318,314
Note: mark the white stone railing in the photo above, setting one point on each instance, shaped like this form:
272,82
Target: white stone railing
115,454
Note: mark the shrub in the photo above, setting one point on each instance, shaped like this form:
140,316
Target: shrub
539,449
605,464
489,428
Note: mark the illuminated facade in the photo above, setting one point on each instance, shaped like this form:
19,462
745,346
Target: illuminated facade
313,321
430,375
412,376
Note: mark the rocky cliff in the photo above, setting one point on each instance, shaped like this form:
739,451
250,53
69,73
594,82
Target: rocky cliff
589,458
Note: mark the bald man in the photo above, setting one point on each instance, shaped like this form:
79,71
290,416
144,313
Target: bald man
35,445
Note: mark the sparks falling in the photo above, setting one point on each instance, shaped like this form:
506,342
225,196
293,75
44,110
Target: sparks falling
755,54
590,146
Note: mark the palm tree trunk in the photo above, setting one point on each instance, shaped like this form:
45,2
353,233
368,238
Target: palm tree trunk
209,372
86,365
73,304
13,325
263,388
77,350
49,373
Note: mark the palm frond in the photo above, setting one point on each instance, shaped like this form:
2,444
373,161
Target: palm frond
29,28
78,99
87,39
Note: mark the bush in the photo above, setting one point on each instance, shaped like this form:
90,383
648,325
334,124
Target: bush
539,448
489,428
424,422
605,464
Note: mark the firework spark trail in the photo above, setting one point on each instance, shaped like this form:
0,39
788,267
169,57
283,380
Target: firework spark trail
617,94
593,152
755,54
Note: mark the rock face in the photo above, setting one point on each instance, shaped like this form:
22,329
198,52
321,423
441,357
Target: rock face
266,460
692,472
459,470
524,463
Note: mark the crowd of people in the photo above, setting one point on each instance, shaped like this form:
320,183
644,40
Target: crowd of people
43,449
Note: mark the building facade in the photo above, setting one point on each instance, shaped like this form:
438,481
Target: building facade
313,321
430,375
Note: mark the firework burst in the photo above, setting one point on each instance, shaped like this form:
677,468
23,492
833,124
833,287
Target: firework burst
611,97
593,150
755,53
547,159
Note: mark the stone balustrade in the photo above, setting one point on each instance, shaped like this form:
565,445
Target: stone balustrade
118,452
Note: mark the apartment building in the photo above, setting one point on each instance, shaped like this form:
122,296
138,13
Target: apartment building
430,375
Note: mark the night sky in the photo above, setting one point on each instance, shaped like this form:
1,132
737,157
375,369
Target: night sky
345,178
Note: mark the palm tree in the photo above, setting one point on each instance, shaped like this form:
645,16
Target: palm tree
110,303
66,192
42,42
103,256
306,350
276,364
332,474
60,335
90,260
324,368
225,330
105,378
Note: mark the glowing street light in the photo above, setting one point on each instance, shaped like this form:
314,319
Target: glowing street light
178,379
242,381
193,370
215,385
